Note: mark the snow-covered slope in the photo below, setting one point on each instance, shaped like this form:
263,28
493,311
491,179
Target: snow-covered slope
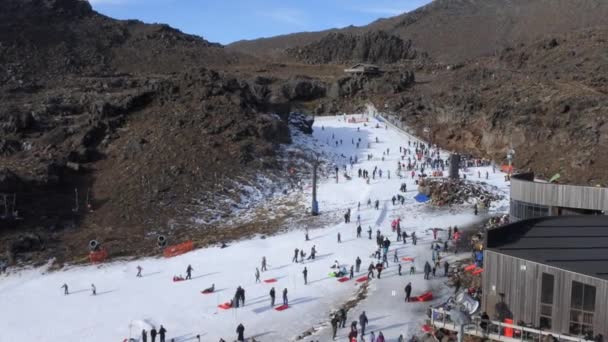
33,307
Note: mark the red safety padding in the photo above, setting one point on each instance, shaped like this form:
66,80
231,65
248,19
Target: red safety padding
344,279
282,307
270,280
98,256
362,279
470,268
508,331
175,250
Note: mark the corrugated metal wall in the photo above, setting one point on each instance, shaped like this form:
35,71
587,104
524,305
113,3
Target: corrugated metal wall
559,195
522,291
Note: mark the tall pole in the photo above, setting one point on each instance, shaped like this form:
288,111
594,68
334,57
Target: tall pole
315,204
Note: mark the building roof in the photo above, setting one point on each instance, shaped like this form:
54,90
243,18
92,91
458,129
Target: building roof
574,243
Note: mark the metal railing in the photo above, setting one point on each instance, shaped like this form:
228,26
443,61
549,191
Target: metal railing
493,330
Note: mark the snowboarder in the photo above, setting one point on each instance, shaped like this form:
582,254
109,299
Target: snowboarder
408,291
144,336
139,269
189,272
161,332
93,290
305,273
65,289
153,334
240,330
264,264
370,271
363,322
272,296
257,275
342,318
285,301
357,264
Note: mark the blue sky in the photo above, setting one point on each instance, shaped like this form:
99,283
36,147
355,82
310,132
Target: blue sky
226,21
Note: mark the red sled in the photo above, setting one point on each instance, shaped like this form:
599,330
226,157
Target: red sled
282,307
425,297
407,259
270,280
362,279
175,280
225,306
344,279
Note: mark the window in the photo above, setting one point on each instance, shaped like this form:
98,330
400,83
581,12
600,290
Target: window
546,300
582,308
522,210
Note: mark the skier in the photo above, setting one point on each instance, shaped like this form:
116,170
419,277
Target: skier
339,238
342,318
161,332
65,289
139,269
363,322
144,336
357,264
257,275
296,252
408,292
153,334
240,330
285,301
334,326
189,272
93,289
427,270
370,271
264,264
272,296
305,273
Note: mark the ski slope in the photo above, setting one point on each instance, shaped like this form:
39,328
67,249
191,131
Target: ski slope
33,307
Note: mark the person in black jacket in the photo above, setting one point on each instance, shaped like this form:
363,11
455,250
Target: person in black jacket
285,301
272,296
363,322
240,330
161,332
153,334
144,336
408,292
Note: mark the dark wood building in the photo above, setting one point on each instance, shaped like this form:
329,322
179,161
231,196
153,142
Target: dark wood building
550,272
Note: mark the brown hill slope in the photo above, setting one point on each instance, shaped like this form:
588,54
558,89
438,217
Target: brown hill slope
455,30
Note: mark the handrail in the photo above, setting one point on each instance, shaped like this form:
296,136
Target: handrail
477,331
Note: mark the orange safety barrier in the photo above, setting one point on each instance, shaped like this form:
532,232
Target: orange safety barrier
470,267
506,168
98,256
182,248
422,298
508,331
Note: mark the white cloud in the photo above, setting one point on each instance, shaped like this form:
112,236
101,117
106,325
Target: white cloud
391,11
286,16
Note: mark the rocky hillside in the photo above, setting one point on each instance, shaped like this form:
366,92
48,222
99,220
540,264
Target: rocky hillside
370,47
452,31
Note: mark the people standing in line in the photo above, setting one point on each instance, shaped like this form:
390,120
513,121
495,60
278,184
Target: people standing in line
272,297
